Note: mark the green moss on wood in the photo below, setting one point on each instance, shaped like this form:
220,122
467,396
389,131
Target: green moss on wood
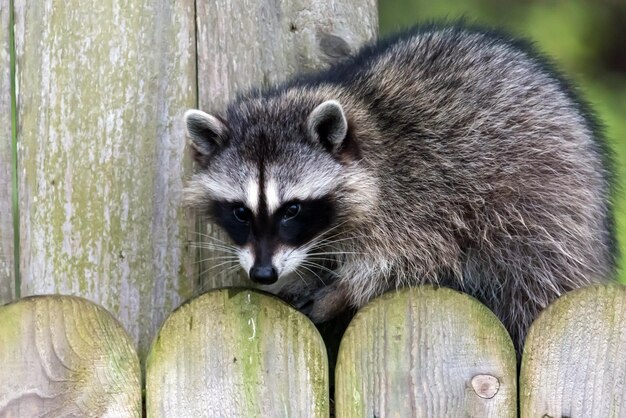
237,353
574,361
65,356
417,352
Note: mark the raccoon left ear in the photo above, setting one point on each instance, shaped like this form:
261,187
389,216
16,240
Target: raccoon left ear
207,133
327,123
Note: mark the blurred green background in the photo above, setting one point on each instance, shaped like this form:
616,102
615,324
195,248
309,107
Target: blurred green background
586,39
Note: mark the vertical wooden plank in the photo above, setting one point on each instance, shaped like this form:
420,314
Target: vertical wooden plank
426,352
574,362
102,91
237,353
7,275
248,43
63,356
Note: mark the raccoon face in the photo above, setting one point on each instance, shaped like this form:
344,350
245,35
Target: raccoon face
270,181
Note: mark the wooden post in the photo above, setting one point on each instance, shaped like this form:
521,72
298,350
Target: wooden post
246,43
574,362
237,353
7,275
64,356
426,352
103,87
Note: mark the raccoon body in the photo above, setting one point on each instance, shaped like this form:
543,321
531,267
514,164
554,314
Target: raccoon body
446,155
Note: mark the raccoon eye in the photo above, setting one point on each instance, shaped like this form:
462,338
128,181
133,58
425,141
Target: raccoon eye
242,214
291,212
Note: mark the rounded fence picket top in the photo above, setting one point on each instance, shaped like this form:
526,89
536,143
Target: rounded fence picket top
237,353
426,352
574,361
65,356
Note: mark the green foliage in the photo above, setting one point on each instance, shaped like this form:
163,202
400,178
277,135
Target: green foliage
584,38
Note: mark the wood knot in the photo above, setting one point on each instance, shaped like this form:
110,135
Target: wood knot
485,386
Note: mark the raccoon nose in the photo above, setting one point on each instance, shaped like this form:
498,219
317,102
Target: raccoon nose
263,274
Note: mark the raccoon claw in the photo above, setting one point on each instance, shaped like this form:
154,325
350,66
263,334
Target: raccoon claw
304,304
306,307
324,303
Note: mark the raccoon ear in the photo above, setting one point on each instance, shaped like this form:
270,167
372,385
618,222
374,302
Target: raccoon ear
207,133
327,124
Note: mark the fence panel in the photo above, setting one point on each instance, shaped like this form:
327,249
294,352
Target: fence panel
249,43
237,353
574,362
64,356
102,92
426,352
7,278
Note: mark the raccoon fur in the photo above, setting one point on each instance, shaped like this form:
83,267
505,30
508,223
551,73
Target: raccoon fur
446,155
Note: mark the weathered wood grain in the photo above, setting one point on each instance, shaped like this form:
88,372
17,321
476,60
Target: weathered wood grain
426,352
7,274
237,353
64,356
249,43
574,362
103,88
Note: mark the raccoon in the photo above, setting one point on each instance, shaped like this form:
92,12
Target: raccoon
445,155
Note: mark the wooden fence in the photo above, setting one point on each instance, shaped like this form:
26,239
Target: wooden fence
421,352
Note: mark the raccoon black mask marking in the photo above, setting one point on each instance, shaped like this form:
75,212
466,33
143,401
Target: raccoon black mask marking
445,155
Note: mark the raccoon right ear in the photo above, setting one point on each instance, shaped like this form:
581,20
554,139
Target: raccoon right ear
207,133
327,124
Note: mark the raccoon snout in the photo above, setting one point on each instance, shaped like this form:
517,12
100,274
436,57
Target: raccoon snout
263,274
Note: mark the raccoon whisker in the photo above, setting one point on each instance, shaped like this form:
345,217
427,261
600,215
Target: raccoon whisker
215,266
226,257
218,251
317,275
322,258
317,265
331,253
234,267
322,234
204,234
301,277
332,228
227,270
335,253
231,256
319,242
330,240
210,246
224,244
206,285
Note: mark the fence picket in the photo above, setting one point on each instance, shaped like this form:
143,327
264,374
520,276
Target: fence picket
426,352
102,92
574,362
6,190
237,353
65,356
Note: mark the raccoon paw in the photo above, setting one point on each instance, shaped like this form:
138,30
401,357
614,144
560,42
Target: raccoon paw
324,303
